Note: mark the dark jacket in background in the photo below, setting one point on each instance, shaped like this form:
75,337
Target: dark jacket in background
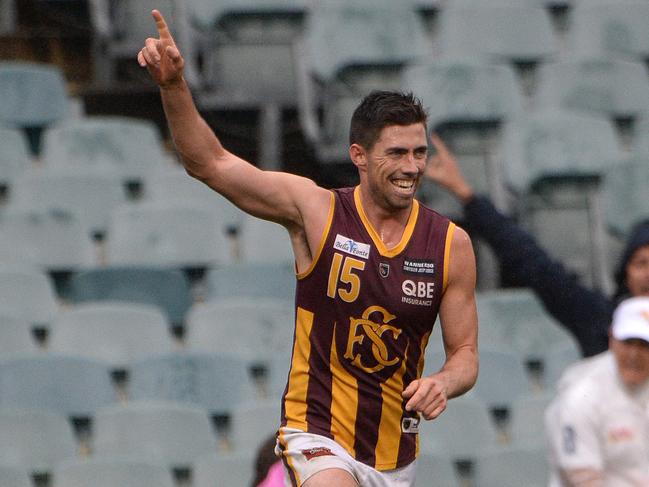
585,312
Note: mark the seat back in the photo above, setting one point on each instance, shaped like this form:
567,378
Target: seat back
111,473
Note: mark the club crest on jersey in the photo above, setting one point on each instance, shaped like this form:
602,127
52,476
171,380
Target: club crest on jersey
349,246
384,269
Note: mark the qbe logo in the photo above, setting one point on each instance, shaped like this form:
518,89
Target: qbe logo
418,289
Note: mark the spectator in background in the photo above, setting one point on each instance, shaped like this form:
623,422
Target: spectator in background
268,468
597,425
585,312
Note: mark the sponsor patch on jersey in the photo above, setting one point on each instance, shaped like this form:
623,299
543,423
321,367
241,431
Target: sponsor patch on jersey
410,425
569,439
321,451
420,267
384,269
349,246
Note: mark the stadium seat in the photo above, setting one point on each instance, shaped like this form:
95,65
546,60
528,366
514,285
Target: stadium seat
555,361
116,333
165,288
274,280
88,194
16,336
215,382
129,23
167,433
497,31
264,241
437,468
641,136
625,195
467,100
27,293
14,476
35,440
35,97
362,55
501,380
177,186
513,467
51,240
130,147
516,320
252,422
15,158
462,431
232,469
165,235
555,161
609,28
111,473
262,327
609,87
526,419
69,385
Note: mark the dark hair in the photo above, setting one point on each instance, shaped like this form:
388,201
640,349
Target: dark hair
264,459
638,237
381,109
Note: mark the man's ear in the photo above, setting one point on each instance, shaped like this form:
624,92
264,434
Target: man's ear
358,155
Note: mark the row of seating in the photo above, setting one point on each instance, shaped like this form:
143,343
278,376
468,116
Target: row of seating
181,437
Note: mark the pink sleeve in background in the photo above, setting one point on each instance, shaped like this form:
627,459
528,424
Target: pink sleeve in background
275,477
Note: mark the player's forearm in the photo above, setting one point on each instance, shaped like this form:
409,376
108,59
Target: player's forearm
460,371
195,141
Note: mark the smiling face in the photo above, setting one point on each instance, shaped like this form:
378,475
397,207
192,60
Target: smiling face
391,169
632,357
637,272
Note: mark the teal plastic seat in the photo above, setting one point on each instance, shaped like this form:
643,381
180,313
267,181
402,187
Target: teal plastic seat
262,241
14,476
35,440
625,195
127,146
235,469
166,235
111,473
69,385
88,194
437,467
610,28
28,293
168,289
15,158
171,434
252,423
513,467
116,333
35,97
497,32
609,87
253,279
16,336
215,382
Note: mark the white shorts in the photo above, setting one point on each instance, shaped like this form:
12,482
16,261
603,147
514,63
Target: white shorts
305,454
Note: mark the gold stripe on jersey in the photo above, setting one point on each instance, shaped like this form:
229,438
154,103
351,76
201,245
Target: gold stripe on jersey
390,426
407,232
288,459
447,253
298,381
323,239
344,402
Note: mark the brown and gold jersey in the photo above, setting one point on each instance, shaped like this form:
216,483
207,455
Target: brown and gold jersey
363,317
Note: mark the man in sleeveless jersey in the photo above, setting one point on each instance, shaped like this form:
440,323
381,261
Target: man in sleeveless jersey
374,270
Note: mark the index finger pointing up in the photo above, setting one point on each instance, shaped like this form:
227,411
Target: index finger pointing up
161,24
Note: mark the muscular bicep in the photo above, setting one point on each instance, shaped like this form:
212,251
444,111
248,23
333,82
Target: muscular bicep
458,313
277,196
582,477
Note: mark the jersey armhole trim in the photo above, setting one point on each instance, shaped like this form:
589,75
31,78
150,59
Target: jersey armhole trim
323,239
447,253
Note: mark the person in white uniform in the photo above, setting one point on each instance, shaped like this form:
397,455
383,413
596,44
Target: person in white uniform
598,425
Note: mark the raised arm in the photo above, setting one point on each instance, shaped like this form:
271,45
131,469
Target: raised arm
293,201
275,196
459,321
